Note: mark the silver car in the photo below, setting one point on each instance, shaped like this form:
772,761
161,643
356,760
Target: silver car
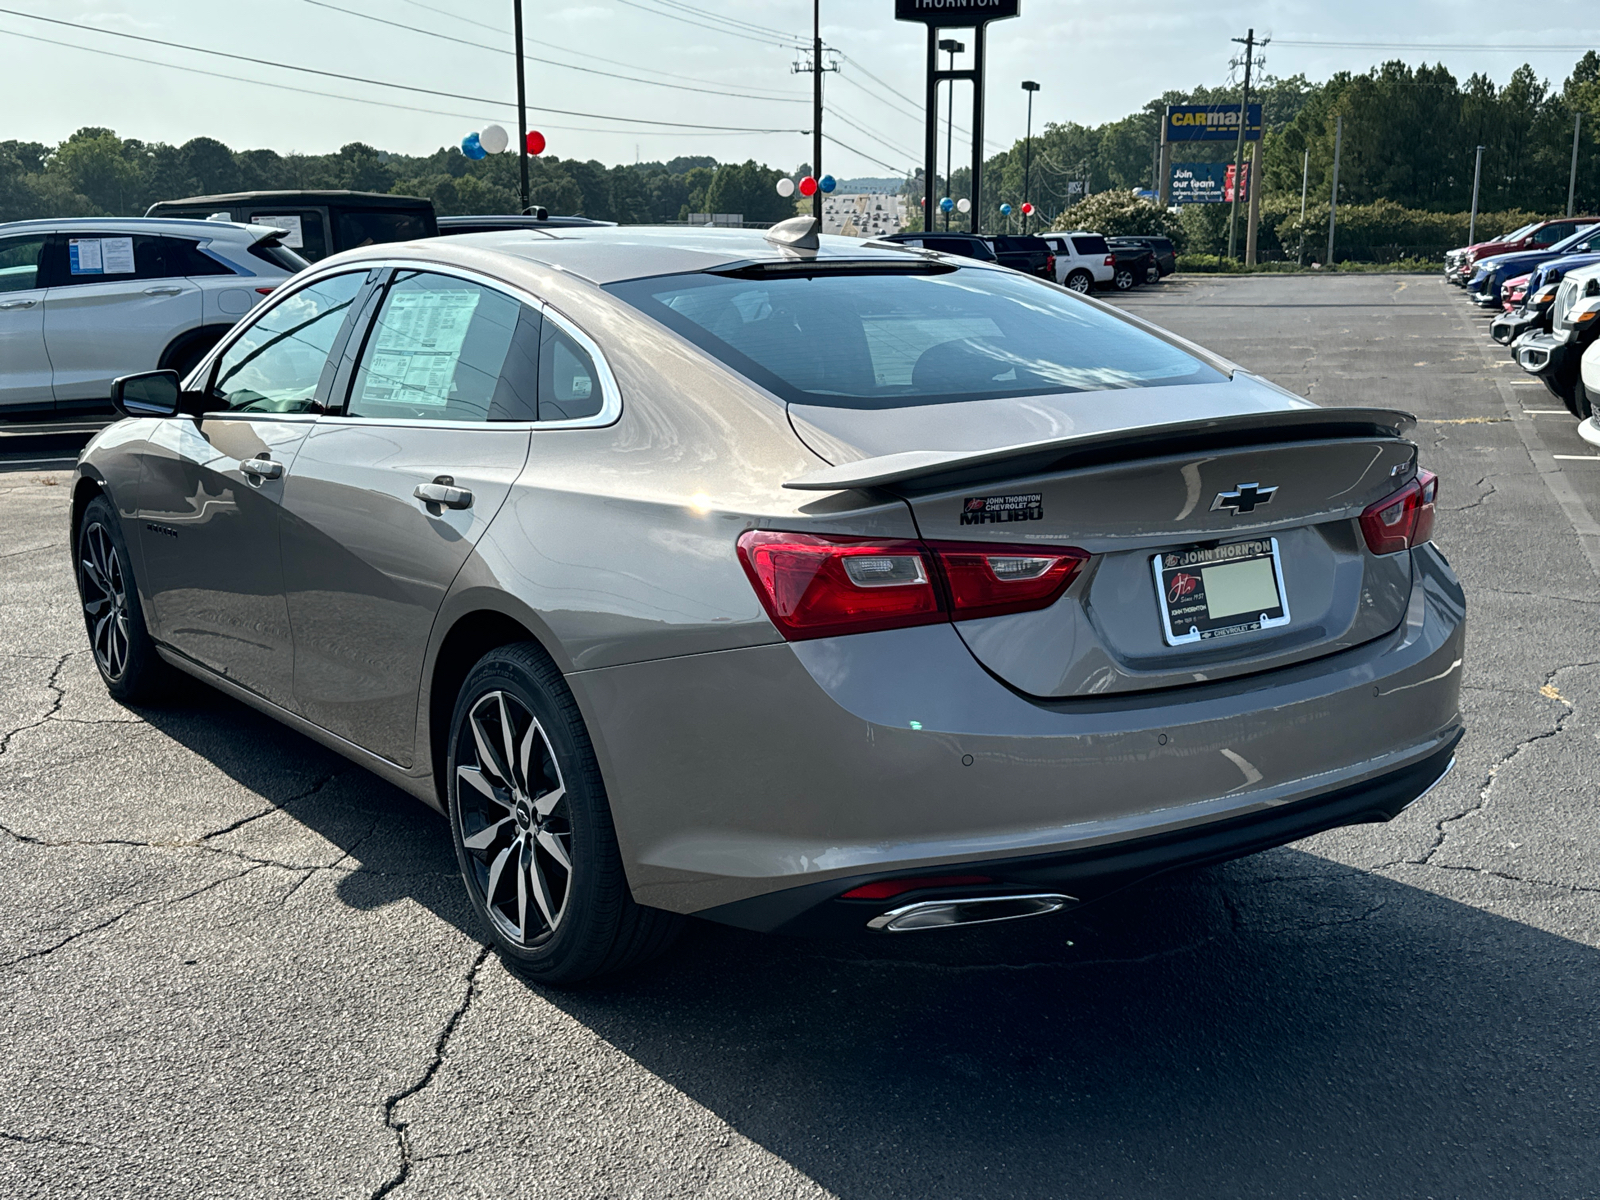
800,584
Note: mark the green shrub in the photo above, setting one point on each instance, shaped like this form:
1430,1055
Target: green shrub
1122,214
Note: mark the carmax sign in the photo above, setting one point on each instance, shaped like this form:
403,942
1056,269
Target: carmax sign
1210,123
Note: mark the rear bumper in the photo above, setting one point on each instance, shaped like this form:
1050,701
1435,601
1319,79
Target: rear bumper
744,773
1088,875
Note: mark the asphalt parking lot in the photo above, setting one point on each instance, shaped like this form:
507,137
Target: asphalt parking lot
235,965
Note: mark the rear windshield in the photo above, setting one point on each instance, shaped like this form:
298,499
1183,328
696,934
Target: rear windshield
891,340
1092,244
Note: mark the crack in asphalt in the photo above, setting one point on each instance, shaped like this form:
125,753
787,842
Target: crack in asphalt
440,1045
1510,878
1482,496
1548,690
131,909
55,705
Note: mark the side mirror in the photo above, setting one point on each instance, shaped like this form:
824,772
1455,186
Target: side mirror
147,394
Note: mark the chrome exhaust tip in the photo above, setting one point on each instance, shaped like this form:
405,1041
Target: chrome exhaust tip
968,910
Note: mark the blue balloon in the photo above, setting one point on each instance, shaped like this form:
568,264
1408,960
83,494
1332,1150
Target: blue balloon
946,204
827,183
472,148
1005,210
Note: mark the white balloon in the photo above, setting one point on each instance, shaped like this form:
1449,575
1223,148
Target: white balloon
786,187
962,205
494,139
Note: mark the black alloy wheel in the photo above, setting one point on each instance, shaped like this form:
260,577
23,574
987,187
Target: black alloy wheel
112,614
532,827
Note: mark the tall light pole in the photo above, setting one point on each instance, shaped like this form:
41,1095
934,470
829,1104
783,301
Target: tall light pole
1305,178
1572,179
1333,195
1030,87
522,105
951,47
1472,222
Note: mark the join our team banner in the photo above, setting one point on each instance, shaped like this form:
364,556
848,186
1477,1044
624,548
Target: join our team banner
1211,123
1206,183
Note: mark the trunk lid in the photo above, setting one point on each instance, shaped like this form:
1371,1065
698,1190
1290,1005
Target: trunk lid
1143,481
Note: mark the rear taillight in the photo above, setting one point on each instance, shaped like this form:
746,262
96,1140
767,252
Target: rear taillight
990,581
815,585
267,291
1111,260
1403,520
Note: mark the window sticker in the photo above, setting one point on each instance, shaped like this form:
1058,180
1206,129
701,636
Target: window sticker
294,231
100,256
417,345
116,255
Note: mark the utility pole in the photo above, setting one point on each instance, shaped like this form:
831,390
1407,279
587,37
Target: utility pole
522,105
1305,178
1333,196
951,47
1472,222
1249,43
816,67
1572,179
816,109
1030,87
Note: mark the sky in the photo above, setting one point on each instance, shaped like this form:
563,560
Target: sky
672,77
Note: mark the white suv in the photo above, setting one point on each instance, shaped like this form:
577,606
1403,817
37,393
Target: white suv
1082,259
87,299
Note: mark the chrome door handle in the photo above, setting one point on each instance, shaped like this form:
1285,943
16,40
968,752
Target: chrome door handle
263,467
17,303
167,290
443,491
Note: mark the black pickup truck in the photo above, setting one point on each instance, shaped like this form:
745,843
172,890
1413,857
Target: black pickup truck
1024,252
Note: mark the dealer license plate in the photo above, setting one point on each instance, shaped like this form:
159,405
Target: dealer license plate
1210,592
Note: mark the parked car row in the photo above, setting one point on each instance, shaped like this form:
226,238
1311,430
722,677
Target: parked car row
1079,260
1547,298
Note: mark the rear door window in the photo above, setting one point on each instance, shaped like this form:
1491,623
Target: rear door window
914,337
76,259
181,256
368,228
441,349
276,363
19,263
569,384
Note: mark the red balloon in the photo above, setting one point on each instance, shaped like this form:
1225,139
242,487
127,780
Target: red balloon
535,142
1027,210
808,186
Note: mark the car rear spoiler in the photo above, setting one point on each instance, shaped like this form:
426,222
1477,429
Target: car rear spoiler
926,468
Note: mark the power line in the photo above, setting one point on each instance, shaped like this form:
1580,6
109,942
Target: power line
767,29
549,45
285,87
839,116
786,43
549,61
862,153
405,87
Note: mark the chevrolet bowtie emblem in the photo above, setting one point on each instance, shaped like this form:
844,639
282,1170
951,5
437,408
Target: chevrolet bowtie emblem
1244,498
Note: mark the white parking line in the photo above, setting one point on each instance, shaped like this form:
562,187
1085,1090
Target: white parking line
1578,457
1546,412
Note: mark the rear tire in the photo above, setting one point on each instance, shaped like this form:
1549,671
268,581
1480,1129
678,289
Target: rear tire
123,649
532,827
1579,405
1080,281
